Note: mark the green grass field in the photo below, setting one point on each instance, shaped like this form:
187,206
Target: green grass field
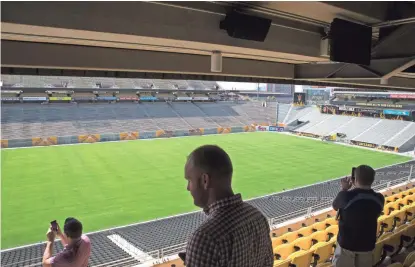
113,184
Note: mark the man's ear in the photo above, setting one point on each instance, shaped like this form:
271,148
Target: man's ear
206,182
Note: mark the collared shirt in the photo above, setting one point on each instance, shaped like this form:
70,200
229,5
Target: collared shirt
358,223
74,255
235,234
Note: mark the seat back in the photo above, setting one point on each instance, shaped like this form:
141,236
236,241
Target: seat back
322,251
282,252
303,243
301,258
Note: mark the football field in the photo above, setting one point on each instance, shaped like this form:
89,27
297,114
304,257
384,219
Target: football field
118,183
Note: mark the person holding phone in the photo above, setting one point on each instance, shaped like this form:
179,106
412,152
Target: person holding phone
77,247
358,208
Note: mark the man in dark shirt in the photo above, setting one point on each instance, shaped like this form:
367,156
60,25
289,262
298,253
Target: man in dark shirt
235,234
358,209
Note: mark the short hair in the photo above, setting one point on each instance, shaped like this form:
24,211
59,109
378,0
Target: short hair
212,160
72,228
365,175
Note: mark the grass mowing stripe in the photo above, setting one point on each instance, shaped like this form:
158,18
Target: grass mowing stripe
113,184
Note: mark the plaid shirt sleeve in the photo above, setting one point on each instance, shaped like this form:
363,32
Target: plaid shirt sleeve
201,251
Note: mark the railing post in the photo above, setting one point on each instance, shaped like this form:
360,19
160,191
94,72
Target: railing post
309,210
388,185
410,172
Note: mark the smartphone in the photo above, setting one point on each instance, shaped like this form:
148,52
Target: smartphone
54,225
353,175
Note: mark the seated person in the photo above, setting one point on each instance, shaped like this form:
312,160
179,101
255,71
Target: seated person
77,247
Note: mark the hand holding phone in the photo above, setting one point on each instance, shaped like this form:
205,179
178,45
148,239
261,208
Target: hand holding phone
54,225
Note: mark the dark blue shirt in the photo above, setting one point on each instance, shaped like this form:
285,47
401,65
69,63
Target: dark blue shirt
358,223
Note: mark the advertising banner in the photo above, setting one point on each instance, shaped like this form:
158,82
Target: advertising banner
403,96
106,98
60,98
197,131
34,98
148,98
10,99
396,112
184,98
371,111
275,129
130,98
84,98
11,91
358,143
260,128
308,135
200,98
383,105
345,108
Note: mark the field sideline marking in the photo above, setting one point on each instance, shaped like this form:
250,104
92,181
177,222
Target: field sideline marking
191,212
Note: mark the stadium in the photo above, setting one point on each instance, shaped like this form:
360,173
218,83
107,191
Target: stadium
110,150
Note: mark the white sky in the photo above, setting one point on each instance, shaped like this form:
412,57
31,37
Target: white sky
240,86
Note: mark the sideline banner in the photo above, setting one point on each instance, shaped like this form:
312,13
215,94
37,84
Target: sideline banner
107,98
184,98
34,98
48,141
358,143
396,112
197,131
261,128
4,143
10,99
89,138
148,98
60,98
129,136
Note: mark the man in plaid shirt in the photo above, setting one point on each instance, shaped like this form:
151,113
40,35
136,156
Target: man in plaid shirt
235,234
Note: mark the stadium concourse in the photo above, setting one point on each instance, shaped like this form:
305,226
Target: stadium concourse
151,242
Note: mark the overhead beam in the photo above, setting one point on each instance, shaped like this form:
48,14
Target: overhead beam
57,56
400,43
176,26
379,68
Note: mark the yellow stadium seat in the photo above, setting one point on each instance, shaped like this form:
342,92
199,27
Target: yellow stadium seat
282,263
320,236
386,224
388,208
409,199
331,221
322,252
409,260
394,243
301,258
303,243
276,241
289,237
389,199
399,217
410,212
305,231
332,231
379,253
318,226
283,251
